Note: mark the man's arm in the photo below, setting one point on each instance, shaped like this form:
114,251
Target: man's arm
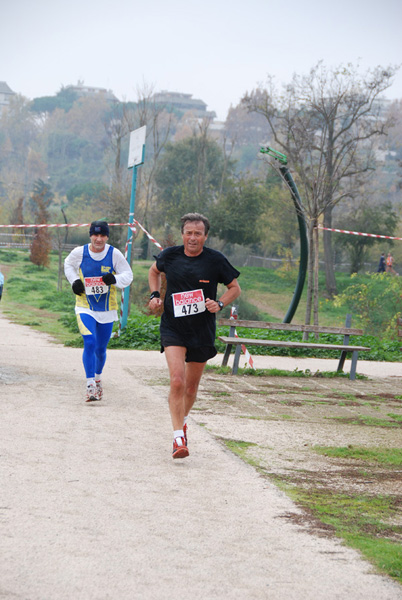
72,264
154,280
232,292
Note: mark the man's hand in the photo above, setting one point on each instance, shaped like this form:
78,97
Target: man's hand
109,278
212,305
155,304
78,287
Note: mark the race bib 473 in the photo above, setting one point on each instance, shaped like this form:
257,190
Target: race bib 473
189,303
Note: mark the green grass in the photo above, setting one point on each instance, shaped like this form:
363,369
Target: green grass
31,297
279,287
369,421
299,373
391,457
395,417
384,554
362,521
366,523
240,448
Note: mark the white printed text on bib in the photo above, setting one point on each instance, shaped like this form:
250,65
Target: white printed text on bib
95,286
189,303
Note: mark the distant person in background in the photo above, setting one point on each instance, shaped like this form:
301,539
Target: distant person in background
390,263
381,264
1,284
95,271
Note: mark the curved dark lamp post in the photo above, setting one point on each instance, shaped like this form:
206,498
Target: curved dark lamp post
287,177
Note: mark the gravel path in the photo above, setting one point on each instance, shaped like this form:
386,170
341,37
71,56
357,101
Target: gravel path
92,506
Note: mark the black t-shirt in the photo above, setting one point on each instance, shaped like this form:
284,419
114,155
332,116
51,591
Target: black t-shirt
185,273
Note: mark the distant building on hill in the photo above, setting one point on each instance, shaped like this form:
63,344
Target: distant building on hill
85,91
183,102
6,94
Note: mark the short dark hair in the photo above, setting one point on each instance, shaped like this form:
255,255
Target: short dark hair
191,217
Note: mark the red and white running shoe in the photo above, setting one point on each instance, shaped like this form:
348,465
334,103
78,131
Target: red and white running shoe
180,449
91,393
99,390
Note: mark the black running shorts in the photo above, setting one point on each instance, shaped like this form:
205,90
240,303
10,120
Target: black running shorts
199,354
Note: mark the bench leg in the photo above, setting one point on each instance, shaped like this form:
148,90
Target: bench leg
228,350
236,360
353,365
341,361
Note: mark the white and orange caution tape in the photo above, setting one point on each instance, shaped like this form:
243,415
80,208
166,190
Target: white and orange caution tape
62,225
249,358
373,235
149,236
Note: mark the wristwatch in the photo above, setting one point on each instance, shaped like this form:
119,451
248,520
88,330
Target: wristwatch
220,304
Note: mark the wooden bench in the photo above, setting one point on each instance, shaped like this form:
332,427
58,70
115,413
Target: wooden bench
345,348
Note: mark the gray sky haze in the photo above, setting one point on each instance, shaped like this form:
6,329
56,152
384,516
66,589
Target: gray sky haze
215,50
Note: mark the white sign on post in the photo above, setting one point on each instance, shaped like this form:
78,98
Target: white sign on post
137,141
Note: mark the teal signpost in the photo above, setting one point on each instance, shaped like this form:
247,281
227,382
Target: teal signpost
135,159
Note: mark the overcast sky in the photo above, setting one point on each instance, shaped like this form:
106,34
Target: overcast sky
215,50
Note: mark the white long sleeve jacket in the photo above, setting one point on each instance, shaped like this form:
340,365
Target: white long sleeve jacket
123,274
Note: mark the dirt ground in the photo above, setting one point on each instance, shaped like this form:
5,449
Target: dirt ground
93,507
286,417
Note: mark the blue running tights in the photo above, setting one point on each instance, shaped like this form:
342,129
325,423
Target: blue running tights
96,337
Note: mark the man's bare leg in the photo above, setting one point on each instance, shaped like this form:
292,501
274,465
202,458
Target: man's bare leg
193,374
175,357
184,382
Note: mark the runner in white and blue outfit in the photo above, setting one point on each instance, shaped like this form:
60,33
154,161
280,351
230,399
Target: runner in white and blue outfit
95,271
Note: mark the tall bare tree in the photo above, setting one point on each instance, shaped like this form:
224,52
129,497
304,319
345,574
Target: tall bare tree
326,123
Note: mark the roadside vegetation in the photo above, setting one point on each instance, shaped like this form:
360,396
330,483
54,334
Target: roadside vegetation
31,297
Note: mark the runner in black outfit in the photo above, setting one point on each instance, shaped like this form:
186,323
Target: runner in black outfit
188,322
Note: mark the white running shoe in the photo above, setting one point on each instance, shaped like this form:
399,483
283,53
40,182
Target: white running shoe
99,390
91,393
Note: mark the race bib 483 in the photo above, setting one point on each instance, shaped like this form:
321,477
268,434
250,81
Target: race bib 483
95,286
189,303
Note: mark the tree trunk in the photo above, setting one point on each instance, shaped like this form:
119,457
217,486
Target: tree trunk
310,277
316,270
330,280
